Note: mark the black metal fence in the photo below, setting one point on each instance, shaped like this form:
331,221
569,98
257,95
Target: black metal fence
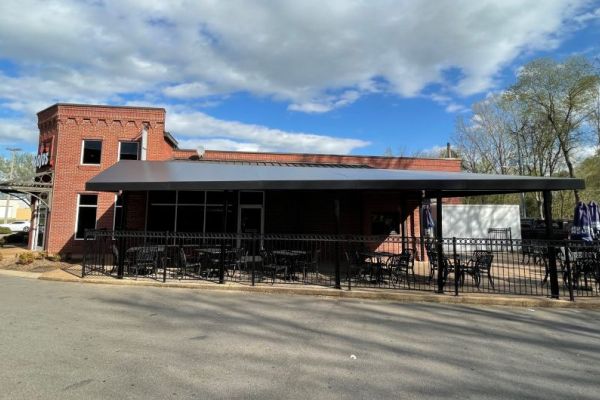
504,266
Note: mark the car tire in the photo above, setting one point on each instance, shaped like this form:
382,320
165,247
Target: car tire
26,229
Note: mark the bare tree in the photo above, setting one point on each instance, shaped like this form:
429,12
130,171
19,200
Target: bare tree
562,94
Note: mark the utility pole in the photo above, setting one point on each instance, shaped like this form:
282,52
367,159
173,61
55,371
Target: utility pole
13,150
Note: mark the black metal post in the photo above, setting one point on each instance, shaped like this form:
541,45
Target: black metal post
554,289
439,245
421,231
568,271
336,212
253,257
121,260
457,271
222,263
403,223
86,246
121,239
161,260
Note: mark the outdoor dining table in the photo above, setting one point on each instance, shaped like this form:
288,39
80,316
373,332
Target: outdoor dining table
374,259
290,258
209,250
132,255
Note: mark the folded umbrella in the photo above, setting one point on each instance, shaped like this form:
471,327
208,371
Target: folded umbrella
594,219
582,228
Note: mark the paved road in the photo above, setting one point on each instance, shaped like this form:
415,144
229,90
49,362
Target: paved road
82,341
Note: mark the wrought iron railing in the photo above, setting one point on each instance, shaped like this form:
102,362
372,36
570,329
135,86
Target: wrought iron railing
564,269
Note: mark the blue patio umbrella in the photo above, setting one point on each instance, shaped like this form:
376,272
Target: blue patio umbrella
594,219
582,227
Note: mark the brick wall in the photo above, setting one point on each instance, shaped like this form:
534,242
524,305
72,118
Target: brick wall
67,126
429,164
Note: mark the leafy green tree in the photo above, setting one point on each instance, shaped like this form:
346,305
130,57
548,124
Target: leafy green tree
23,171
589,169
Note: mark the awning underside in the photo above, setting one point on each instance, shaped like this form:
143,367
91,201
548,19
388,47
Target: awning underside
193,175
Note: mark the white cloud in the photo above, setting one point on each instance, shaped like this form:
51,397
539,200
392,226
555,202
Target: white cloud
315,56
328,103
294,51
450,106
583,152
455,108
189,90
13,130
196,128
588,16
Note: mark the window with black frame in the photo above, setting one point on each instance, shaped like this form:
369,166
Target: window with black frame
91,153
87,205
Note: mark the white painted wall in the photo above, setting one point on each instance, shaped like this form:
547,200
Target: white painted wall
12,209
473,220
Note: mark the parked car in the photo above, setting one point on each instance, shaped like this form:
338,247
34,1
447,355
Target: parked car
17,226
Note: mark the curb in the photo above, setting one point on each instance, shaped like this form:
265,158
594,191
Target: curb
375,294
21,274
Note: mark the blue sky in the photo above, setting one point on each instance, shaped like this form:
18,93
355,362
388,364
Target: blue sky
345,76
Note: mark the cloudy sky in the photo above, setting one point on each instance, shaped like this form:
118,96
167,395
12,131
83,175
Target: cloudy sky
335,76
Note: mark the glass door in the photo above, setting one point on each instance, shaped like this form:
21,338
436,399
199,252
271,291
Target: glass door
39,230
250,219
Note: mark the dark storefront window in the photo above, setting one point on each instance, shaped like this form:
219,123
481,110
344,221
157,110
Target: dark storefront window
118,223
214,219
255,198
161,212
384,223
129,151
190,211
92,152
86,214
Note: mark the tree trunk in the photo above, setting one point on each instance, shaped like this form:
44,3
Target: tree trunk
571,170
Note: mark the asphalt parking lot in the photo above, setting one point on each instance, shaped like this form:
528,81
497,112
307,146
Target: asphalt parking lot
75,341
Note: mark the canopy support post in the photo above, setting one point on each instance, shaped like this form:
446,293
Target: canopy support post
554,289
336,212
439,238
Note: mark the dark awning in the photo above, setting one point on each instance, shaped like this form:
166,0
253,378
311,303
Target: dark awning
194,175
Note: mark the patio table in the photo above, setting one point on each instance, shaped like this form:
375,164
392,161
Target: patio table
290,258
374,259
137,257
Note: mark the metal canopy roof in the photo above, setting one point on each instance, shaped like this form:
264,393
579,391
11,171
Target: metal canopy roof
192,175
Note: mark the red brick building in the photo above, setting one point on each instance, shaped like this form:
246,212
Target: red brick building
77,142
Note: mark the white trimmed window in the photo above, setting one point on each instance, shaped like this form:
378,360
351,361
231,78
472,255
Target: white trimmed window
129,151
91,152
87,205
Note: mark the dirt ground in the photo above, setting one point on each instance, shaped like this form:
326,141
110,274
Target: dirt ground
10,256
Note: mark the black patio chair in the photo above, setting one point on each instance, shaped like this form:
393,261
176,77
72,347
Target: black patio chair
480,263
433,262
234,261
400,266
210,264
145,259
115,259
448,266
270,267
311,264
188,265
587,268
355,268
